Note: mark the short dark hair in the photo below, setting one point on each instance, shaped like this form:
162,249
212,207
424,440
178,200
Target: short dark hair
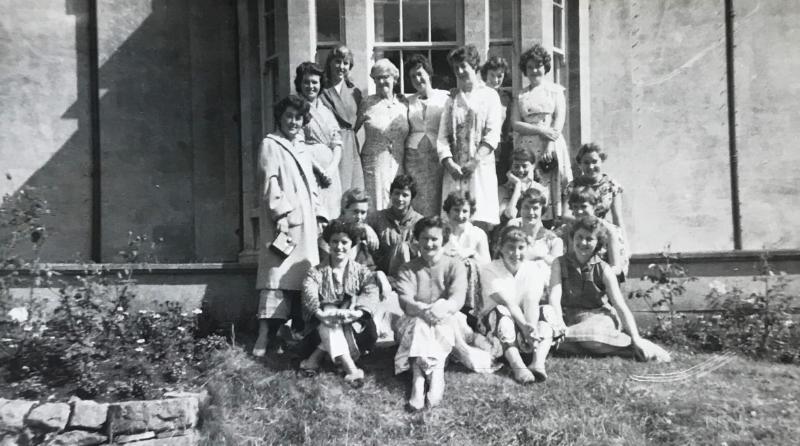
418,60
340,51
352,196
538,54
432,222
583,194
354,231
592,224
589,148
531,194
523,155
404,182
512,234
303,70
458,199
466,53
494,63
293,101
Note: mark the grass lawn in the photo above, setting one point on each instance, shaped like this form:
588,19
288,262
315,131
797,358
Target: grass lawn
585,401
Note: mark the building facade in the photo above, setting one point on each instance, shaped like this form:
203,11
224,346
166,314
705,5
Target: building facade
145,116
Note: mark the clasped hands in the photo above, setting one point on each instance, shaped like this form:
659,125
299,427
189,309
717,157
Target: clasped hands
460,172
435,313
338,316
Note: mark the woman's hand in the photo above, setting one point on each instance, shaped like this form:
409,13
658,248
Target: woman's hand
350,316
441,310
371,239
638,352
550,133
328,318
469,168
453,168
548,155
282,225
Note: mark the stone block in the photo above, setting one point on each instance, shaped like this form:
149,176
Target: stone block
157,416
12,414
49,417
78,438
202,397
134,437
190,438
88,415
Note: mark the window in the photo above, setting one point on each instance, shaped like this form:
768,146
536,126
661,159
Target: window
427,27
329,27
270,93
501,36
559,44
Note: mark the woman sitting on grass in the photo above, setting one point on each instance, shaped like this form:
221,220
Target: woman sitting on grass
512,319
431,291
585,291
544,245
337,293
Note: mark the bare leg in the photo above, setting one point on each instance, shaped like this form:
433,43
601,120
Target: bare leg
312,362
521,373
417,400
436,388
260,347
541,351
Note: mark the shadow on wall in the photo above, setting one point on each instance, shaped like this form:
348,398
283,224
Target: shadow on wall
166,129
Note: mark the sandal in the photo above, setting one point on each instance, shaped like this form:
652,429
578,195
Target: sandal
308,369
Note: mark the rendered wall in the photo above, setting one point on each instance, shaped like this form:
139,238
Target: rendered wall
44,116
168,127
766,65
658,105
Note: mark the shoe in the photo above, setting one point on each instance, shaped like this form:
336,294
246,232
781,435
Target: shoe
524,376
539,374
259,352
308,368
356,379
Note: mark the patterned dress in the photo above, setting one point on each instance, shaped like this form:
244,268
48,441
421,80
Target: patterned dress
421,159
417,280
587,313
468,121
322,136
344,106
536,106
385,124
354,290
395,236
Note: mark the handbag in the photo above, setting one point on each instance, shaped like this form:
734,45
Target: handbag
283,245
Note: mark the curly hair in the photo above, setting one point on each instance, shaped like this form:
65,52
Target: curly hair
538,54
583,194
458,199
531,195
522,155
340,51
295,102
404,182
466,53
594,226
589,148
354,231
432,222
303,70
416,61
498,63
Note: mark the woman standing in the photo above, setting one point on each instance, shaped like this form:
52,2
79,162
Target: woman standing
538,118
287,221
385,119
322,136
343,99
469,132
424,112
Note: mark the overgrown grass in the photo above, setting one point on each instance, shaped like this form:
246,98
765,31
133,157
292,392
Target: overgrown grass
585,401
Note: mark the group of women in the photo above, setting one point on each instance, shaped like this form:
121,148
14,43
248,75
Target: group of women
408,216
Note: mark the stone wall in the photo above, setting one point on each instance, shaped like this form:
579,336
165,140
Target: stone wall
168,422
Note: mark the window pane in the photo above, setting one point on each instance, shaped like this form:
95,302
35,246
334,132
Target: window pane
500,19
415,20
443,18
558,28
506,52
387,20
559,69
442,73
328,21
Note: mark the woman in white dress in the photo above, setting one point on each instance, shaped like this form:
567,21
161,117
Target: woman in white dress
469,132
